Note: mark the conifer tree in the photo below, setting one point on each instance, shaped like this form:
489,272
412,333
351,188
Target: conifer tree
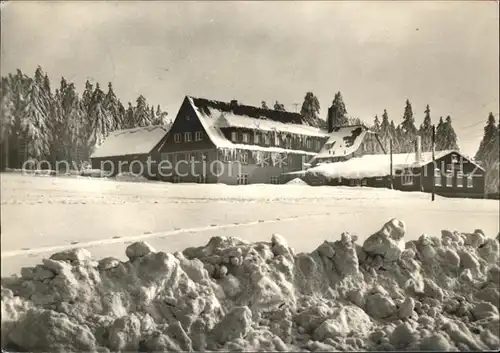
310,108
112,106
264,105
425,130
141,116
490,133
440,135
337,113
101,120
279,106
450,137
130,117
376,124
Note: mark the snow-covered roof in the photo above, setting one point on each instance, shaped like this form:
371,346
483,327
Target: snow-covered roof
343,141
214,115
140,140
375,165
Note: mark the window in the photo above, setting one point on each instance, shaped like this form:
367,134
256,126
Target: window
275,180
198,136
460,179
187,136
267,140
256,137
288,142
166,157
202,179
407,179
244,157
454,158
290,160
242,179
225,155
308,143
449,178
470,182
234,136
177,179
318,145
364,182
246,138
276,139
177,138
437,177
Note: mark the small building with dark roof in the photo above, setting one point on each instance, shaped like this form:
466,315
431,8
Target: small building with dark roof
130,150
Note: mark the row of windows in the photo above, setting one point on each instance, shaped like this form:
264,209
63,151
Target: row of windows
407,179
198,136
188,156
243,158
267,140
241,179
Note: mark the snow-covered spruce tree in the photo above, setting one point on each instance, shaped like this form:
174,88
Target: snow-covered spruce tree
129,121
264,105
440,135
34,123
7,120
487,154
112,105
101,119
19,84
425,131
161,115
142,115
376,124
408,129
490,131
385,130
450,137
310,109
338,112
279,106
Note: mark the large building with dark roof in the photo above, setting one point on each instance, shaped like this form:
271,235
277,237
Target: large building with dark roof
227,142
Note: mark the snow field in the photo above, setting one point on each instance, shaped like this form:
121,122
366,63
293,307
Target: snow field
434,293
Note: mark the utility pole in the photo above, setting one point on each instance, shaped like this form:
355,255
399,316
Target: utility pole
434,163
390,152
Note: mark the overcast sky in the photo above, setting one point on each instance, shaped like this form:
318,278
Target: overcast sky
377,54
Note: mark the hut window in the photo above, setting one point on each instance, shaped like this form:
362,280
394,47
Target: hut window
275,180
256,137
234,136
276,139
246,138
308,143
187,136
449,178
177,138
437,177
244,157
198,136
242,179
225,155
288,142
364,182
470,183
267,140
460,179
318,145
407,179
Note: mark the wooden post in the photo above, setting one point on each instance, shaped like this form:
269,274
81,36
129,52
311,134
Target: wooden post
390,152
433,163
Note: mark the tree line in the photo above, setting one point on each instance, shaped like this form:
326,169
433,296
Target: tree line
39,123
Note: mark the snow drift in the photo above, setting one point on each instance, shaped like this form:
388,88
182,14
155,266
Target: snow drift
436,293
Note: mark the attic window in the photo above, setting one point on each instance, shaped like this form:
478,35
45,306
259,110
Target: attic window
198,136
177,138
187,136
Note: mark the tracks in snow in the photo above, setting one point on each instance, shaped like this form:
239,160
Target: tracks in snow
176,231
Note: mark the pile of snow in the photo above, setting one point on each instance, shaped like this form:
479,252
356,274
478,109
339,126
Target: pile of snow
93,173
296,181
436,293
131,177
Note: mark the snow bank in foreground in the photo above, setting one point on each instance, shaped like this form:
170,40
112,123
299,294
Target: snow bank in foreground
436,293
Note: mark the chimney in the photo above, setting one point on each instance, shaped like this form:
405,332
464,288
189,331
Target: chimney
330,120
418,149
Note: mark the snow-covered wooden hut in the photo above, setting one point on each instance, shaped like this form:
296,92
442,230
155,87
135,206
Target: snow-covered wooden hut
130,150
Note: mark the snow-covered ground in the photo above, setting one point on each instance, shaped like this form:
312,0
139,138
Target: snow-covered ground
41,215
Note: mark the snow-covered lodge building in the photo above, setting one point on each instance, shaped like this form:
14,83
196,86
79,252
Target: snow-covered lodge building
220,142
